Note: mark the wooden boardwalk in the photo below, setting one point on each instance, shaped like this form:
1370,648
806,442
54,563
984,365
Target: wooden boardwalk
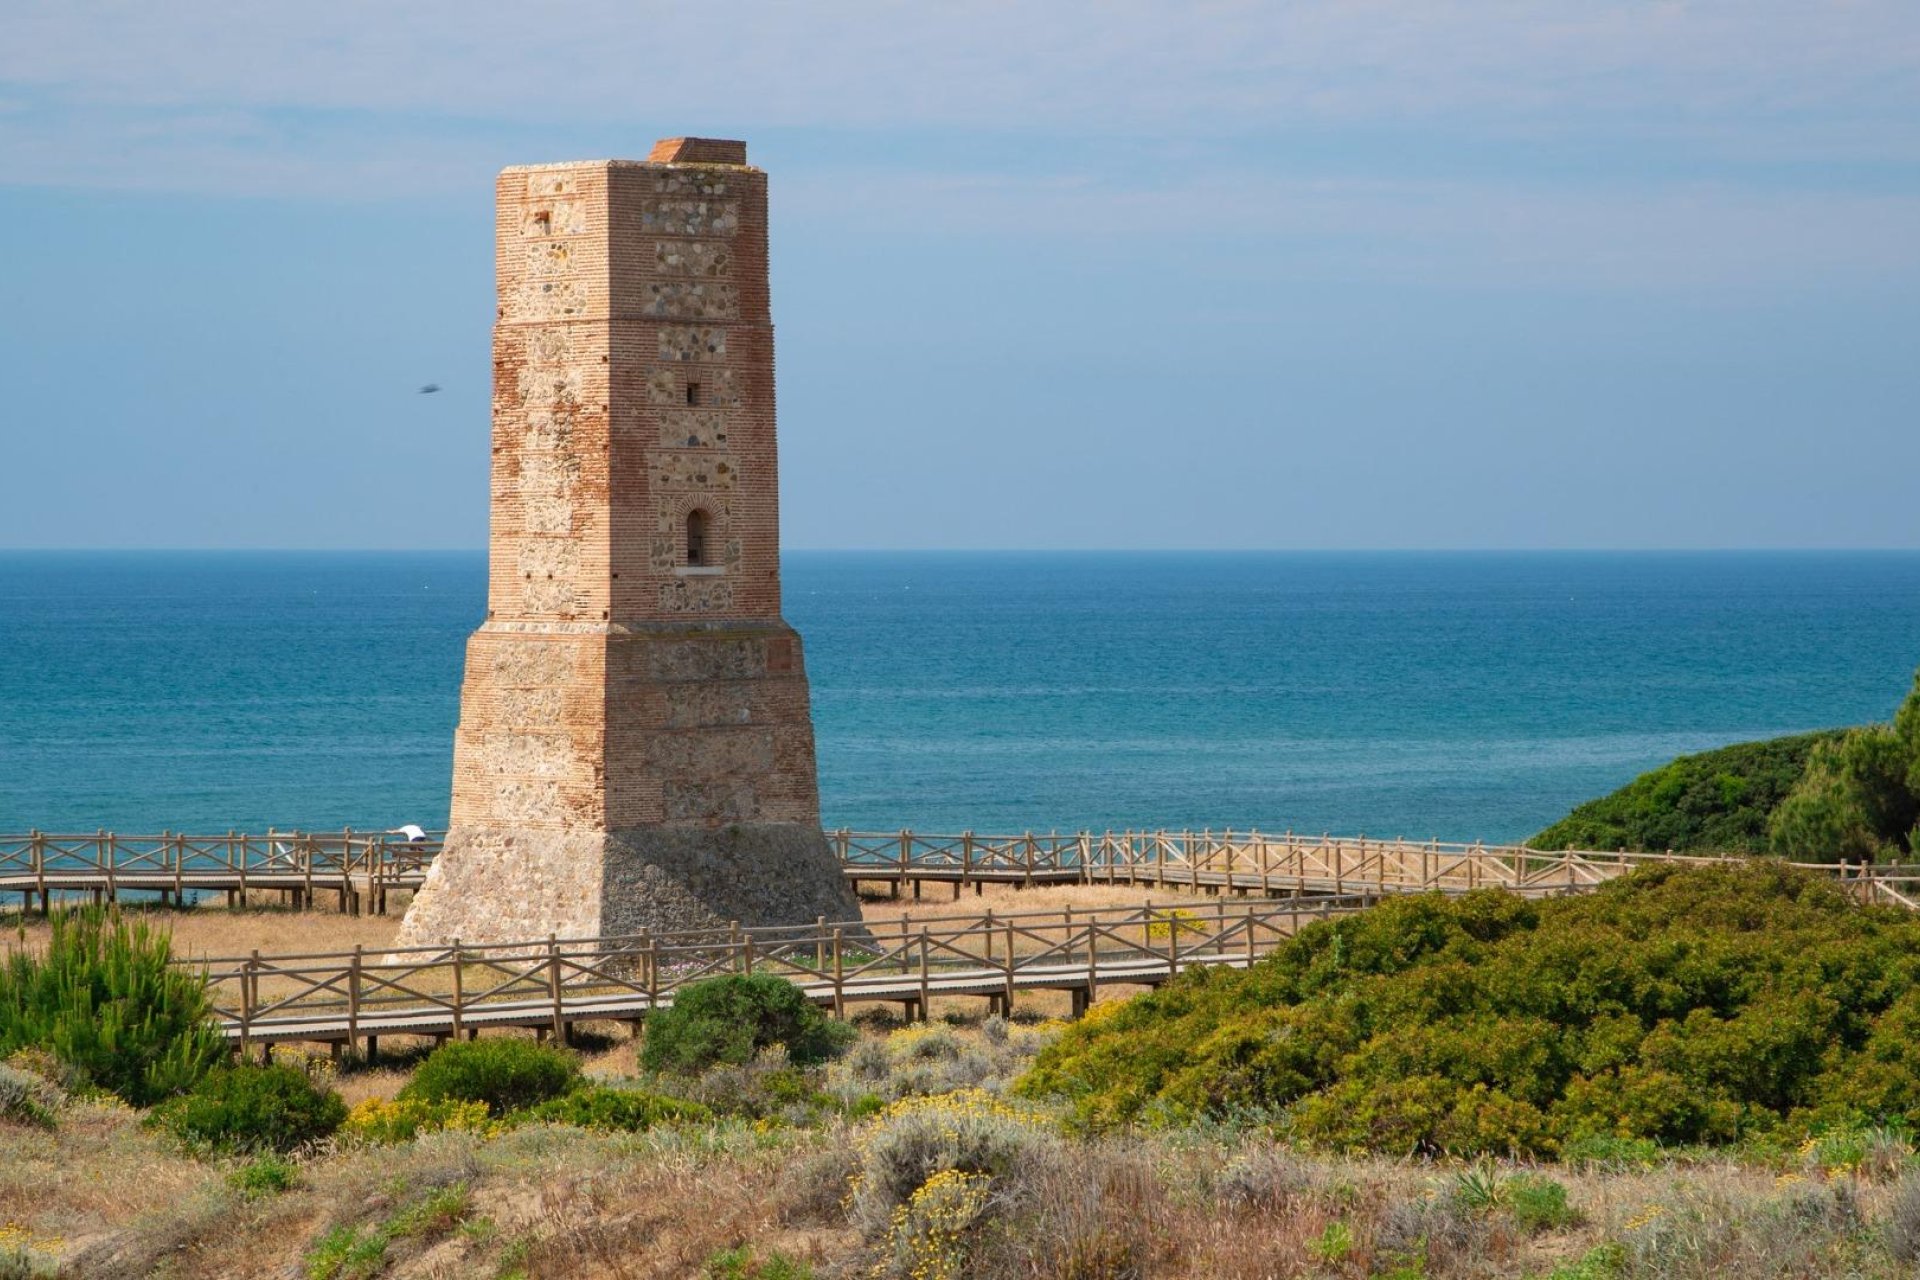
358,871
353,998
1259,888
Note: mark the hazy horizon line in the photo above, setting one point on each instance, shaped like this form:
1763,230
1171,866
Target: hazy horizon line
1028,551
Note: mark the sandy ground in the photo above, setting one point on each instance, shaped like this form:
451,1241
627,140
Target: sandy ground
214,930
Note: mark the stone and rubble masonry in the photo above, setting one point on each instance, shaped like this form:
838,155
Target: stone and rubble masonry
635,748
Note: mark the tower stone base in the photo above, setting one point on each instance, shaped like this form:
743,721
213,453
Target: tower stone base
493,884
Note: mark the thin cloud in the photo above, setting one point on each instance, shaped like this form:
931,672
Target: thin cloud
873,63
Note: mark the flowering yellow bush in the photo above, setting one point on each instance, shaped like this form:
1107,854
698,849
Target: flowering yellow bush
24,1254
378,1121
928,1230
1179,922
957,1107
967,1131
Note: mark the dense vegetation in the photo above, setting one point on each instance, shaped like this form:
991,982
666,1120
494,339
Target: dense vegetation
1837,794
729,1019
104,999
1716,801
506,1075
1711,1005
247,1107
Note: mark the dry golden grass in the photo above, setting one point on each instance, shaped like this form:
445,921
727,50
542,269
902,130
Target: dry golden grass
97,1174
216,931
117,1201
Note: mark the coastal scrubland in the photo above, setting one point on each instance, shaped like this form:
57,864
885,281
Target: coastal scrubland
1686,1073
1825,796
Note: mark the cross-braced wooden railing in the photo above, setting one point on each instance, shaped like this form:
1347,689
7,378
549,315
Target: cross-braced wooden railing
361,867
348,997
364,868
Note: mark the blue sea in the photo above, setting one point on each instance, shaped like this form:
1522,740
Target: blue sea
1465,696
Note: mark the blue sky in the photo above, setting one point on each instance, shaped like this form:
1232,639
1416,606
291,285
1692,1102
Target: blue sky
1379,273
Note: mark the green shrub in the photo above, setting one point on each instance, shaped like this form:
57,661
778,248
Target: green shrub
347,1252
1538,1204
1839,793
264,1175
104,998
743,1264
1678,1005
768,1088
1333,1244
1715,802
622,1110
28,1262
1611,1153
253,1108
1852,802
433,1215
25,1098
507,1075
1607,1262
729,1019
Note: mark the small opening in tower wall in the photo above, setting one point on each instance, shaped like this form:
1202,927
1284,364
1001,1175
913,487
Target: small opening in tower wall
693,393
696,538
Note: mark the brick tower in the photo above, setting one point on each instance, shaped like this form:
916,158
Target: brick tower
635,748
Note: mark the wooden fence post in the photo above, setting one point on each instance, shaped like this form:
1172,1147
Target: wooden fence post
248,984
553,988
1093,960
459,993
652,963
926,994
1007,1010
839,977
353,1001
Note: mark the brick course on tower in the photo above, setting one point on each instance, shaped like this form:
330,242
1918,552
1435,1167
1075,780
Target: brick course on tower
635,748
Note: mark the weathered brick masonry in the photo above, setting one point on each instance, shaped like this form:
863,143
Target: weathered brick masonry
635,748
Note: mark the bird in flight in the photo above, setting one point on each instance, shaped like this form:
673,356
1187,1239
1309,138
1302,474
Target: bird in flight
429,389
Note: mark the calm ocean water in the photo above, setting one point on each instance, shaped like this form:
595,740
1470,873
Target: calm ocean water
1459,695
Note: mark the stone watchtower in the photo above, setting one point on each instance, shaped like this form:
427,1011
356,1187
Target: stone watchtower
635,748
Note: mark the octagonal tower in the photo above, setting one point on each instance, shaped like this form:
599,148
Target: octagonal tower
635,747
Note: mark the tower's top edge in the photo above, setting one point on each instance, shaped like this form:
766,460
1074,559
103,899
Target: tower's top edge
705,152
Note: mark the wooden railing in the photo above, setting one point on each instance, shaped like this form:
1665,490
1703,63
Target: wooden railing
362,869
442,991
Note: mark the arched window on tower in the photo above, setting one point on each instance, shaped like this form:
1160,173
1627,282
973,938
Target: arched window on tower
697,521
